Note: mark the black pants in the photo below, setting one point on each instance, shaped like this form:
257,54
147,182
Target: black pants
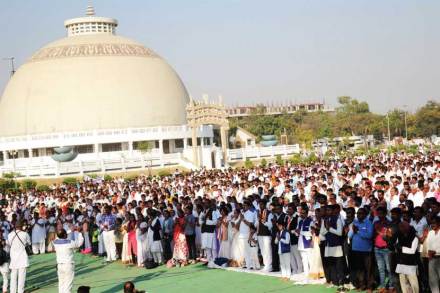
337,271
191,243
324,260
361,270
119,249
275,257
423,267
95,248
167,253
395,281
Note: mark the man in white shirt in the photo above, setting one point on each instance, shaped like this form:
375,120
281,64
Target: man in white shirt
17,242
433,241
65,249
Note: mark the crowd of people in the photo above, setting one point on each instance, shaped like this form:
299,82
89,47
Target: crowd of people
369,222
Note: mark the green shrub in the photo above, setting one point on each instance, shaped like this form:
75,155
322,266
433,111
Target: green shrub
296,159
412,149
248,163
93,175
312,158
164,173
263,163
70,181
28,184
8,185
130,177
108,177
43,188
279,160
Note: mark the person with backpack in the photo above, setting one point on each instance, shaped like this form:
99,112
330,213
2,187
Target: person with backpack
17,242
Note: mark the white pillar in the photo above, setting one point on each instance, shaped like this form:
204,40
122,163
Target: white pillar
96,148
161,152
130,148
81,168
123,163
31,155
5,155
57,169
185,143
102,166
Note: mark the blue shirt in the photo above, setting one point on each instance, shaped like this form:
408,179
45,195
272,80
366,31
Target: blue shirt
363,239
108,220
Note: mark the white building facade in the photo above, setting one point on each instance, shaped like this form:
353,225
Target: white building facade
101,96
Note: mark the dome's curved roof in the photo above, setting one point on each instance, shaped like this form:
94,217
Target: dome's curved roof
92,81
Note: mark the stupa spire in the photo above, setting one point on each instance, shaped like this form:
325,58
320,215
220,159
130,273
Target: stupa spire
90,11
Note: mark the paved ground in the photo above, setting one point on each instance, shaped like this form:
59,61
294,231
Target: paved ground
90,271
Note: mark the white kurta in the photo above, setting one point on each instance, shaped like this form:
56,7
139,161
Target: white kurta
39,231
19,257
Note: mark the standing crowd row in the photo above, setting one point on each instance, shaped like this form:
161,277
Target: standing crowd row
366,222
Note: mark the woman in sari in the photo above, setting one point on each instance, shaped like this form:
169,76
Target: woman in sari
316,268
223,237
180,253
131,251
237,254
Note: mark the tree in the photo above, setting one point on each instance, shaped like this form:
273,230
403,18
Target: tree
304,137
145,147
427,120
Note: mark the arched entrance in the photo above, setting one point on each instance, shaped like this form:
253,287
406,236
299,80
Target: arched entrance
205,113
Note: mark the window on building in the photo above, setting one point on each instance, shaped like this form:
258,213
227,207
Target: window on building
84,149
111,147
35,153
49,151
178,143
137,144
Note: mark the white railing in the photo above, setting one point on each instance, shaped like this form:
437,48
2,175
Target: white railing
100,136
261,152
88,163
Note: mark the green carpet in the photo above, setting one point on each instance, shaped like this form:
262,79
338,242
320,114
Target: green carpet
42,277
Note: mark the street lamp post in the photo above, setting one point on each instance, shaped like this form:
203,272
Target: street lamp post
406,125
389,135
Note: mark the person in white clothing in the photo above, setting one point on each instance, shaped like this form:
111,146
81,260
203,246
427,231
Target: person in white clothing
65,248
38,235
17,242
433,242
249,218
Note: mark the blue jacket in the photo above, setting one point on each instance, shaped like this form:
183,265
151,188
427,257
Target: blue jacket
363,239
284,243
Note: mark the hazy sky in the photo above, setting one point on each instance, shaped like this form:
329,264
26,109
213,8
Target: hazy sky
385,52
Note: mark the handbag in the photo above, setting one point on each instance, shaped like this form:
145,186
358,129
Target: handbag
28,248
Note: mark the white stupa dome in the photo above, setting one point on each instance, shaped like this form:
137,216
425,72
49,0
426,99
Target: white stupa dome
92,79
